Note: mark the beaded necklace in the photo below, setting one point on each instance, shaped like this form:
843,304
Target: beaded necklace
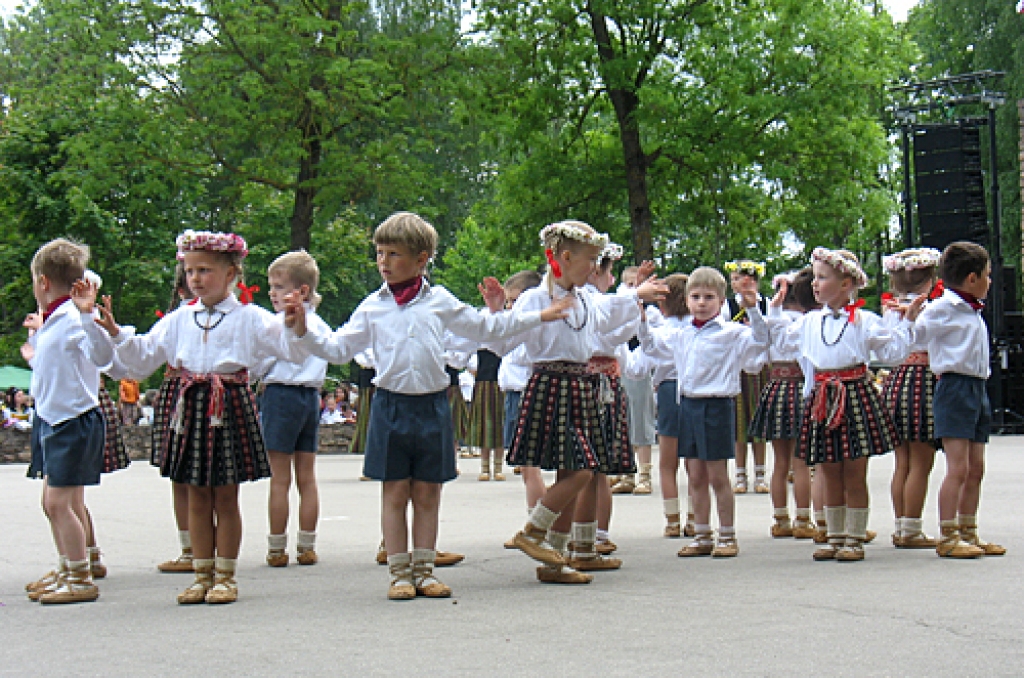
210,324
583,323
825,341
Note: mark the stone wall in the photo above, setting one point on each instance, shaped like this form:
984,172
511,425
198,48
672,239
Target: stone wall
14,445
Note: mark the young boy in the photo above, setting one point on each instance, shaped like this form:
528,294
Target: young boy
709,355
958,347
290,415
69,426
410,442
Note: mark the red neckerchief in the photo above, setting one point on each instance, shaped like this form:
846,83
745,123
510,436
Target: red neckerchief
937,291
404,292
54,305
701,323
852,309
973,301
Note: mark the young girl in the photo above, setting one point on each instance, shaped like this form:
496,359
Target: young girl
213,440
908,393
486,415
364,399
778,418
559,425
673,307
845,421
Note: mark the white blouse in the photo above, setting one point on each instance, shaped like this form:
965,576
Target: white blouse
408,341
67,363
612,317
230,337
709,360
640,364
514,371
311,372
955,336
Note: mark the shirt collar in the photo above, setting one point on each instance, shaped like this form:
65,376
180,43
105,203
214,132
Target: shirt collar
226,305
56,307
384,292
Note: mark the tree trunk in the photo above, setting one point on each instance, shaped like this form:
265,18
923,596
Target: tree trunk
626,102
305,193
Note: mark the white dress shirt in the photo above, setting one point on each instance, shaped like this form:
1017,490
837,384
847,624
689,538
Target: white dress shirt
408,341
240,336
955,336
67,363
514,371
640,364
709,360
311,372
573,339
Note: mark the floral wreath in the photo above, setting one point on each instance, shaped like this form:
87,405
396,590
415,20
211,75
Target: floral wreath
787,277
93,277
209,241
841,264
745,266
612,252
570,231
909,260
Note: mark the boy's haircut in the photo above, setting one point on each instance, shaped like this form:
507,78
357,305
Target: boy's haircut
905,280
300,268
801,290
675,301
959,260
523,280
409,230
62,261
705,276
631,270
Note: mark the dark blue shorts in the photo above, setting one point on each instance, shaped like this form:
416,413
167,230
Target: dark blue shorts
72,451
668,409
512,399
707,428
410,436
290,417
961,408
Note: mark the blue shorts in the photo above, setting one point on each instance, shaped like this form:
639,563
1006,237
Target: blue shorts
72,451
290,417
668,409
512,399
410,436
707,428
961,408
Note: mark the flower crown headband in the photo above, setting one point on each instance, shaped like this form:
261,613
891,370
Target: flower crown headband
570,231
208,241
612,251
841,264
909,260
746,267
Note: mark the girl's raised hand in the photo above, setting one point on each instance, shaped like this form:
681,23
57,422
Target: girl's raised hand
493,294
914,309
558,309
295,313
645,271
780,295
33,321
106,319
83,294
652,290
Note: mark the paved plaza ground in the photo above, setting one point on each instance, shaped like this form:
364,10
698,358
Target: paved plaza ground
769,612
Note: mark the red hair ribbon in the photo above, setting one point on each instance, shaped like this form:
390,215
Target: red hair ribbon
158,313
245,294
556,269
852,309
937,291
887,297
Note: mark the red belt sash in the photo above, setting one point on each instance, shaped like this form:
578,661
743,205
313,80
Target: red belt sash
829,401
606,365
786,371
917,358
215,407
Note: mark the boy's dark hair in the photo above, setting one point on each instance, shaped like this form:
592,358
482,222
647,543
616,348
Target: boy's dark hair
959,260
801,291
523,280
918,280
675,300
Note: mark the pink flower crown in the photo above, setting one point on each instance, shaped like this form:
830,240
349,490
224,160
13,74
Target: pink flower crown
209,241
842,264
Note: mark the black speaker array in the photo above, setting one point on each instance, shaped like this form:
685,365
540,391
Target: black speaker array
949,185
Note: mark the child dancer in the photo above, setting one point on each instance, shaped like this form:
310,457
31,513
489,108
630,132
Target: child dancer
709,355
844,421
559,425
213,438
908,393
410,446
290,415
163,405
486,416
956,338
741,273
778,417
364,401
68,430
673,308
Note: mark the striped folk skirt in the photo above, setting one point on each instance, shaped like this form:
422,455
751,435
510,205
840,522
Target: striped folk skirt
163,409
862,427
486,416
751,386
560,425
358,445
778,414
907,393
115,452
208,451
460,414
